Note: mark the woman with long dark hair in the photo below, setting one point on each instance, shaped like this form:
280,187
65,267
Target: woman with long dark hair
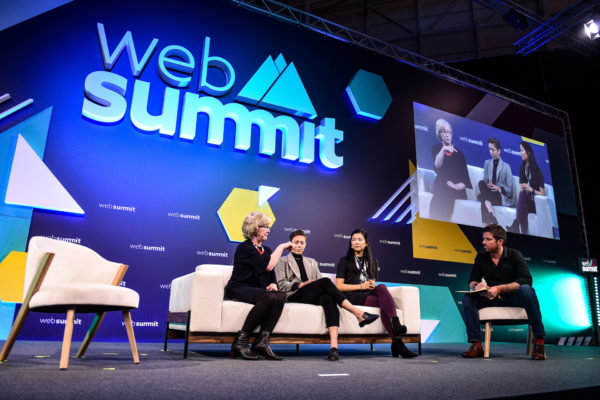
531,182
356,276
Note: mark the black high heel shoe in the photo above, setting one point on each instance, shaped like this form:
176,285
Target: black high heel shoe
397,328
367,319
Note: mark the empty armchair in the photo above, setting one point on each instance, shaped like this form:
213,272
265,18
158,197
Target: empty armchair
70,278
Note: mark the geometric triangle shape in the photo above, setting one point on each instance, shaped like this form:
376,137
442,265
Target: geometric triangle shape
32,184
35,131
260,82
289,95
427,327
442,241
12,277
265,193
280,63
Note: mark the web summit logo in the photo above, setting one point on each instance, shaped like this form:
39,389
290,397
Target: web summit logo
276,86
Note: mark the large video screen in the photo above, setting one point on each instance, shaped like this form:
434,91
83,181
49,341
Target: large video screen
474,174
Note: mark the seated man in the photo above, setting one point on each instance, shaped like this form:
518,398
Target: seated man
505,274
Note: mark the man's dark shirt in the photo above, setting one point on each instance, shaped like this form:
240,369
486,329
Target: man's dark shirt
511,268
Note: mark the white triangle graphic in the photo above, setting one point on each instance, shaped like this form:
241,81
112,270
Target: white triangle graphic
265,193
427,328
32,184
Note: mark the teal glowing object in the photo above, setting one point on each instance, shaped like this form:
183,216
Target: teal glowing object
369,95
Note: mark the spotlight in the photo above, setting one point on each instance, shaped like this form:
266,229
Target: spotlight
591,29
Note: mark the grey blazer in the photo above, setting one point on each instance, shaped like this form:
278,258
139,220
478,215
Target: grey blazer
504,179
288,273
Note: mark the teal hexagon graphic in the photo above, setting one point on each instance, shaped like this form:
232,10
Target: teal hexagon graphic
369,94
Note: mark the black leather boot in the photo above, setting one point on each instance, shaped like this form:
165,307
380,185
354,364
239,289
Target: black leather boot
240,347
261,346
399,349
397,327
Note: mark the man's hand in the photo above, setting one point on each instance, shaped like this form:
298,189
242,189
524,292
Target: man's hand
492,292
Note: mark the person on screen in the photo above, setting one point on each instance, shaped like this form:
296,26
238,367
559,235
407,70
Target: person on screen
496,188
300,279
253,281
452,176
505,275
356,276
531,182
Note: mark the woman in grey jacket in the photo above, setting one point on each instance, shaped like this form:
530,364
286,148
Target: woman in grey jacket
300,279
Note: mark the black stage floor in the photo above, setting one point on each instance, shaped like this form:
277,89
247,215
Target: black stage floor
107,371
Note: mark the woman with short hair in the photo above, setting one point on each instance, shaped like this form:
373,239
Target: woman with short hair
299,277
356,276
253,281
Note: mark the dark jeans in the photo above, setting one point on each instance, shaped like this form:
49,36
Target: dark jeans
324,293
524,297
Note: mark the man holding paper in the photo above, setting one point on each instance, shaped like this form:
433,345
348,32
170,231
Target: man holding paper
505,275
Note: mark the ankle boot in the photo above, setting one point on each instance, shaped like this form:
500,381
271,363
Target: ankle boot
240,347
397,328
399,349
261,346
514,228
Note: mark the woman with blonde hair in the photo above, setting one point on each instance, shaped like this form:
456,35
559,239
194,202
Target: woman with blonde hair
253,281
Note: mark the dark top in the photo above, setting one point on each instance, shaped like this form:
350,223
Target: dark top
250,267
454,168
303,275
511,268
351,275
535,178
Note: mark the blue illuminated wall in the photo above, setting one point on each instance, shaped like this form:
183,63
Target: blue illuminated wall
151,186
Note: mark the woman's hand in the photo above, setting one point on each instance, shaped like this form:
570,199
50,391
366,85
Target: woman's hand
272,288
368,285
305,283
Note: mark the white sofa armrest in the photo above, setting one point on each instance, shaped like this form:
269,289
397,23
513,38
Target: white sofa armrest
407,299
201,293
179,300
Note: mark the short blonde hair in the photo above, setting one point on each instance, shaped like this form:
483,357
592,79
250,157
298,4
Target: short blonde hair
439,124
252,222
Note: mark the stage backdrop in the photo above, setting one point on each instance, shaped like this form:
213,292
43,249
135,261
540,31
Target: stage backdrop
155,127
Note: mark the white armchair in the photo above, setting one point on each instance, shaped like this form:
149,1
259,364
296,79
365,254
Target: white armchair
66,277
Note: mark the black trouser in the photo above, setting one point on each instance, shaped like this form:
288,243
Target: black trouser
322,293
485,193
267,306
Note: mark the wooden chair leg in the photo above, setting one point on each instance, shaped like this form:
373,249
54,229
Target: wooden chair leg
66,347
529,340
14,332
488,339
419,344
90,333
130,335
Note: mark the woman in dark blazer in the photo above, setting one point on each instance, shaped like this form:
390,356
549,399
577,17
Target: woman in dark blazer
299,277
531,182
356,276
253,281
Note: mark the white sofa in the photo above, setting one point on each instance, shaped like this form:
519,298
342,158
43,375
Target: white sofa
198,313
468,212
